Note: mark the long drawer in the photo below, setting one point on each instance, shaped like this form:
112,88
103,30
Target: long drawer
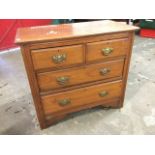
78,97
107,49
80,75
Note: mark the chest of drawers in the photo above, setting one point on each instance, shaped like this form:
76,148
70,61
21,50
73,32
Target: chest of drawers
71,67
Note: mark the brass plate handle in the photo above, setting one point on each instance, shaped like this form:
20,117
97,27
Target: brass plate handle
103,93
64,102
104,71
63,80
59,58
107,51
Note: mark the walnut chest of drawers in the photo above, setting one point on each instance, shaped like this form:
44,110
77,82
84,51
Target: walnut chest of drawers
71,67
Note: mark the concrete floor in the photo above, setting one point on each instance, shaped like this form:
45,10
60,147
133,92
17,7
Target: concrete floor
17,114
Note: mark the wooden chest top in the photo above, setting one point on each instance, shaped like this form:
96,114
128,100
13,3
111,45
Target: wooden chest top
68,31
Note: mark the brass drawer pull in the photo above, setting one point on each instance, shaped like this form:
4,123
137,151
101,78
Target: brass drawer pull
103,93
63,80
59,58
64,102
104,71
107,51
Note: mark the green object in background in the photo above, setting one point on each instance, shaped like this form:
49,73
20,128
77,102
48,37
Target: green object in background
62,21
147,24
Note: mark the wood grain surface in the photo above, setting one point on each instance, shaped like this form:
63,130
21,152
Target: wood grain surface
81,96
42,58
80,75
68,31
94,50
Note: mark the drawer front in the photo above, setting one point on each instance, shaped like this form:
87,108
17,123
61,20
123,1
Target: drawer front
78,97
70,77
57,57
105,49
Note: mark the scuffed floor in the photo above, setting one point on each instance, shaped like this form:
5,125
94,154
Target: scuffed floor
17,114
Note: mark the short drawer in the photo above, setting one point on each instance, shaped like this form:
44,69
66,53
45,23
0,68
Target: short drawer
105,49
83,96
57,57
80,75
